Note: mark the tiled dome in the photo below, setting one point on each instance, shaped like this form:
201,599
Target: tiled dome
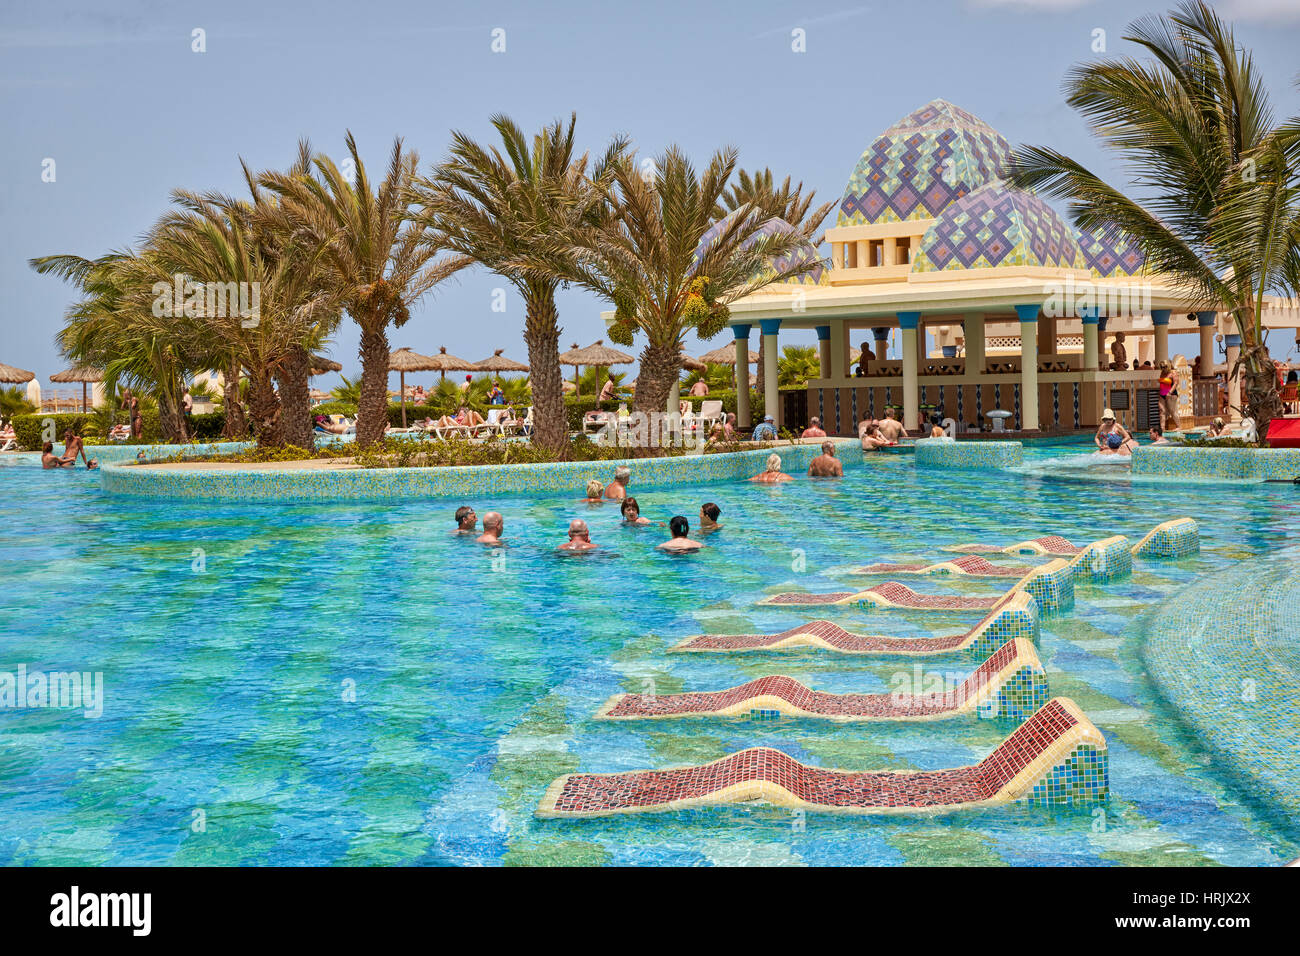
805,252
1109,252
922,163
997,225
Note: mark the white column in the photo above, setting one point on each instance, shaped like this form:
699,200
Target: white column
1028,367
1233,342
1205,321
742,375
771,394
908,321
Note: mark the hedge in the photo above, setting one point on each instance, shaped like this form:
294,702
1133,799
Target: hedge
28,429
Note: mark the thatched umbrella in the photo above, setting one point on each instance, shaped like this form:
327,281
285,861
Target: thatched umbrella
403,361
726,355
444,363
598,354
499,363
82,374
320,365
10,375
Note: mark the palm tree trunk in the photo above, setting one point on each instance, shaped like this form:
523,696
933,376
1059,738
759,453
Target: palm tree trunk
236,424
171,420
660,367
372,407
264,408
295,397
542,336
1259,389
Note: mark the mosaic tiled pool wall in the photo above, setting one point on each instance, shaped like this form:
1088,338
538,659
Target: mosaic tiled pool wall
329,484
1052,586
1172,539
1018,617
969,455
122,453
1104,560
1227,660
1247,464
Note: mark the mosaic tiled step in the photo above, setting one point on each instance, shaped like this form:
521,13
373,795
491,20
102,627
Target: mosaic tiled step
1051,585
972,566
1018,617
1011,684
1103,560
1173,539
1052,544
1056,757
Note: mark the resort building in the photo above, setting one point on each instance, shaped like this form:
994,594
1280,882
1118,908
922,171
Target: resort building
1024,310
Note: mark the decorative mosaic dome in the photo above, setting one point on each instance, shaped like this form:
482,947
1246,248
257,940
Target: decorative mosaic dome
1109,252
922,163
805,252
997,225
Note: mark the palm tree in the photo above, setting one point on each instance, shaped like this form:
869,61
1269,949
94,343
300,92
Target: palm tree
220,239
665,277
379,261
13,401
797,364
112,327
1218,209
785,202
515,214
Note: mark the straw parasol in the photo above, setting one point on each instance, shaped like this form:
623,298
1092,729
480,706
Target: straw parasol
499,363
726,355
598,354
14,376
405,360
82,374
320,365
444,363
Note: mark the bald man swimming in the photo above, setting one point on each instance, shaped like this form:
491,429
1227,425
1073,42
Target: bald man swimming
579,537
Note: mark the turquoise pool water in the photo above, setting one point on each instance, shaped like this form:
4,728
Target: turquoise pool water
351,684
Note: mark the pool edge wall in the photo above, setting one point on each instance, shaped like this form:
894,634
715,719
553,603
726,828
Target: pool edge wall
1244,464
968,456
463,481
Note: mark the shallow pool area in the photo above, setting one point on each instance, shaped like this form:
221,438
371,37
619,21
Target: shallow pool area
323,682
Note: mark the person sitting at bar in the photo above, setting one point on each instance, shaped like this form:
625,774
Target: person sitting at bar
891,428
814,429
865,360
1118,354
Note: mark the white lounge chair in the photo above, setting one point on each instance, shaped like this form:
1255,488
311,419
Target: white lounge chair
710,412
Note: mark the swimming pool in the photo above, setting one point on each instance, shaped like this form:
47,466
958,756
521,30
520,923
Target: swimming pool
351,684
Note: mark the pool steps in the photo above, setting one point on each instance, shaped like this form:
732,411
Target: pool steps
1010,683
1051,584
1055,758
1017,617
1170,539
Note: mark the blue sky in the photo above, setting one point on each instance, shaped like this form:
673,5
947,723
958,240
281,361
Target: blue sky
128,111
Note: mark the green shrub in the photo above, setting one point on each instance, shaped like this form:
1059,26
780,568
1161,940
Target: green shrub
207,427
336,407
29,429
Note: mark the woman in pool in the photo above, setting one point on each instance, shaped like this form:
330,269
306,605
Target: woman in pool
773,474
632,512
595,492
1112,438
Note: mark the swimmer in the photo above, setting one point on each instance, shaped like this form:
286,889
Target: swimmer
680,528
579,537
616,490
466,520
51,460
773,474
1112,438
709,517
493,525
826,465
814,429
595,492
890,427
632,512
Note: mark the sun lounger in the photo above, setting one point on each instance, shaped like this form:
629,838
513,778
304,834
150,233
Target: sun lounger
1055,758
1016,618
1010,683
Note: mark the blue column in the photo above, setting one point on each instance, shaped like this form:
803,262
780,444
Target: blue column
1160,319
881,334
824,349
1205,318
741,331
